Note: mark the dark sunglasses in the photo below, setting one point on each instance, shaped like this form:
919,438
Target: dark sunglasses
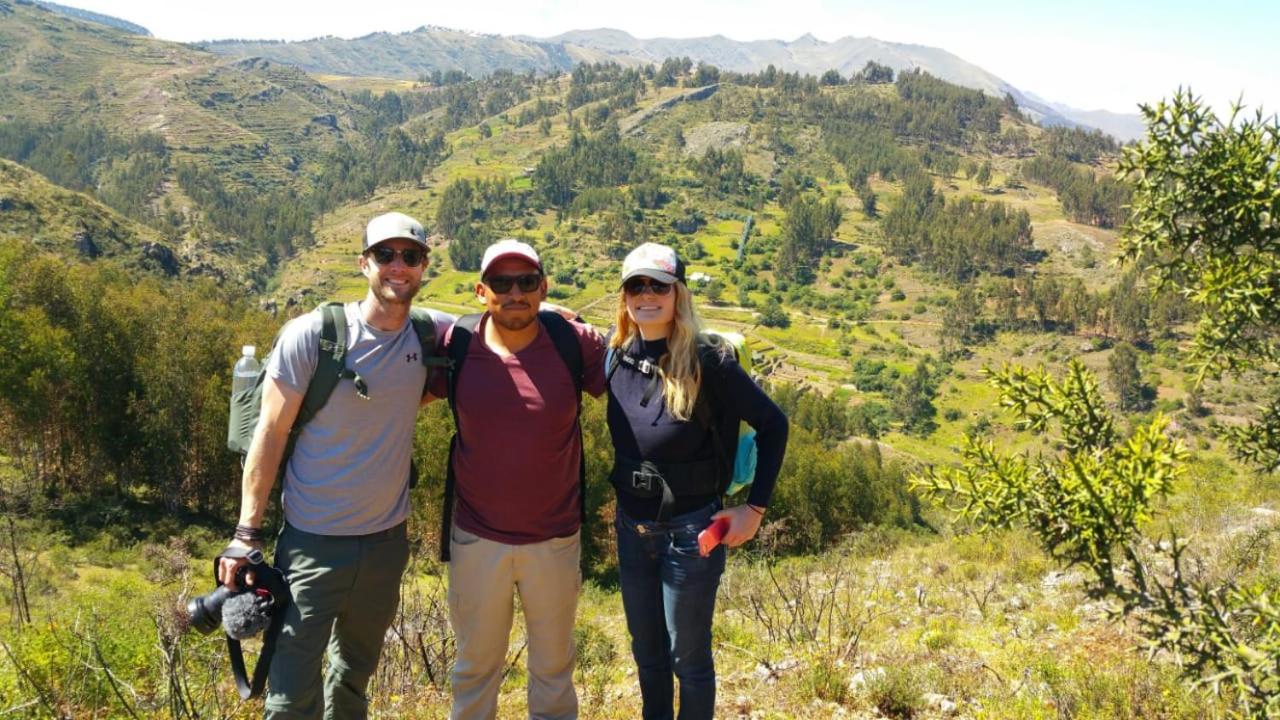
636,287
502,284
412,257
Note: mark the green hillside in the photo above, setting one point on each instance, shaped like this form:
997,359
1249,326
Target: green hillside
881,241
257,114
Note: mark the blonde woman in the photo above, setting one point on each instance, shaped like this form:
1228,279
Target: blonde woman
675,401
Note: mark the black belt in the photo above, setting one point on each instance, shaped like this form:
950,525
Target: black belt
646,479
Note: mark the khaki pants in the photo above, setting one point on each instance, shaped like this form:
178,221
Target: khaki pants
483,577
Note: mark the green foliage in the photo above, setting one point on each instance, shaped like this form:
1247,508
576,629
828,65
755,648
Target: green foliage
873,73
467,212
772,315
826,492
983,176
962,323
1126,381
896,692
827,416
600,160
118,382
942,112
913,400
276,222
806,233
1078,144
124,173
831,78
1206,195
956,239
1087,505
353,172
1085,197
724,172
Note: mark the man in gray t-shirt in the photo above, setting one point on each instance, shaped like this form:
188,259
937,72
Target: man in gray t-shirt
346,490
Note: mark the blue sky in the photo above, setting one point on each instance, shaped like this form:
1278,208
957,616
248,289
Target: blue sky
1085,53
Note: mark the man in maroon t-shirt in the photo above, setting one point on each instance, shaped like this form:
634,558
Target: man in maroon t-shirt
516,464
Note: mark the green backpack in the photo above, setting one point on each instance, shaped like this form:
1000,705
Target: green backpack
331,369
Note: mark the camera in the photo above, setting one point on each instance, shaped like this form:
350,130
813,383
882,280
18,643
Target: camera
248,610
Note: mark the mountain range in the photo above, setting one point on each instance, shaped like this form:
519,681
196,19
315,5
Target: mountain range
413,54
418,53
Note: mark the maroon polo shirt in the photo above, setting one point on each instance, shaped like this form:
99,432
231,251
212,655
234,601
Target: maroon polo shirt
516,462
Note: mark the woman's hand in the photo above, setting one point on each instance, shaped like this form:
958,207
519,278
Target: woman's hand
744,521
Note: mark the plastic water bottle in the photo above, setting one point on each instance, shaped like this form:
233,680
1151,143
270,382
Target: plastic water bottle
245,373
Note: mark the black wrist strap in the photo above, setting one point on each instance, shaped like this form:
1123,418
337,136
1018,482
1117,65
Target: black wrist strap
251,688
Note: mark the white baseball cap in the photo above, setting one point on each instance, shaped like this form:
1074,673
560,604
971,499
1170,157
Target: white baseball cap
392,226
655,261
509,247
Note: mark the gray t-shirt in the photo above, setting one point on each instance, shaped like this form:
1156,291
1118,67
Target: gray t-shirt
349,471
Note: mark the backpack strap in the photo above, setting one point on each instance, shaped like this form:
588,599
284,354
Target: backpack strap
610,357
330,363
565,339
459,342
569,348
709,348
331,368
425,327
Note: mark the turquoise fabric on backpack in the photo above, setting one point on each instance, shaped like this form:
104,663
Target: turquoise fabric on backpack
744,461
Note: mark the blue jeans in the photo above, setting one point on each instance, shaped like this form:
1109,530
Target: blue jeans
669,596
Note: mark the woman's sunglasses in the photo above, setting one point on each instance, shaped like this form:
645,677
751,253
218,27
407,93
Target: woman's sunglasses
635,287
412,257
502,284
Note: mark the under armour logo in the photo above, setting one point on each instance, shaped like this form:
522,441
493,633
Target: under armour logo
411,357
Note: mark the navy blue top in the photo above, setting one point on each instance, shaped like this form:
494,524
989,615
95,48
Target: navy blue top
649,433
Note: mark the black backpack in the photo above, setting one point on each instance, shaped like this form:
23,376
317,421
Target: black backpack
567,346
331,368
735,450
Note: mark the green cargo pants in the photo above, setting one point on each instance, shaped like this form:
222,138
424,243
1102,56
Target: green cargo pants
345,592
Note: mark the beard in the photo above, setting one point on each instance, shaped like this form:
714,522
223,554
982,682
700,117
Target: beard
515,318
394,294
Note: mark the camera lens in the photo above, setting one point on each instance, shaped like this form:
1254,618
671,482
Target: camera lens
204,612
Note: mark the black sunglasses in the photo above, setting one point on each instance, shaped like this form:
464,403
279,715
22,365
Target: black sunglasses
636,287
412,256
502,284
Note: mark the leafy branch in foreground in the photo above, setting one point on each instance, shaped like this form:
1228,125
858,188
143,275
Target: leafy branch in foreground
1206,215
1087,504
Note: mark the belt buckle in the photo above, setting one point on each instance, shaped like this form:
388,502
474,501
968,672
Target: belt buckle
643,479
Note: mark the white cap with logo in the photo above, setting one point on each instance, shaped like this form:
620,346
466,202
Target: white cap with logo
392,226
655,261
509,247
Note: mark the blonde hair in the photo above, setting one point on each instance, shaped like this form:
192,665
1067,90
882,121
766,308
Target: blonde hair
679,367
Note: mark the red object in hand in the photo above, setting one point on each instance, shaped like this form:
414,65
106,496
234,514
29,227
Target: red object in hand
708,539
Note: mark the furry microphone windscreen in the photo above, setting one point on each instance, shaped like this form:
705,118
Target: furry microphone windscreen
245,615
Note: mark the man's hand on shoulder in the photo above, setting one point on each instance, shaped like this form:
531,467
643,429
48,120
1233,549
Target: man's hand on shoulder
562,311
